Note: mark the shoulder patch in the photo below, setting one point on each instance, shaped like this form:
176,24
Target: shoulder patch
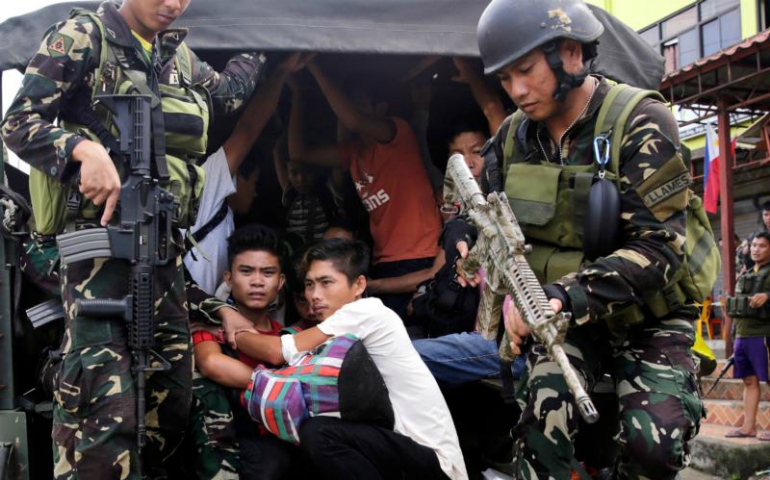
59,45
665,191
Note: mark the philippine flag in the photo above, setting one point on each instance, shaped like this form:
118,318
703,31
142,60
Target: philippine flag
711,170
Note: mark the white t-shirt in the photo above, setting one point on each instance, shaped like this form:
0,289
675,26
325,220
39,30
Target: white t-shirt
219,184
420,410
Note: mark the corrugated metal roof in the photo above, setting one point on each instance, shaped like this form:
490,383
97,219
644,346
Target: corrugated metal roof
760,41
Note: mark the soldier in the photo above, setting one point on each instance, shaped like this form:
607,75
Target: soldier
628,313
127,49
750,312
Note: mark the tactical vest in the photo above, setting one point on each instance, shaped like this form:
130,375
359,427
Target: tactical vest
551,203
750,284
186,120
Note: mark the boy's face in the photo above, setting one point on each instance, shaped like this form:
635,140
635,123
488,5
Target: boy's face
303,308
469,145
301,177
766,218
255,279
327,289
760,250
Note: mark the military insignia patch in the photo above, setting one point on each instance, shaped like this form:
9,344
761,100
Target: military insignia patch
671,187
59,45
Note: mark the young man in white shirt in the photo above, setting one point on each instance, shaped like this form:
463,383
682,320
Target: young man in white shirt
424,442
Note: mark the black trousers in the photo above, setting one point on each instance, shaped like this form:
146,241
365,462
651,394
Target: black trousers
267,457
341,450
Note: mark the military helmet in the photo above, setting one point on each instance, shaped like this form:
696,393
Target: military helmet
508,29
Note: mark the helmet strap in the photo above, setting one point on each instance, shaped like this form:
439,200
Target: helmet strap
564,81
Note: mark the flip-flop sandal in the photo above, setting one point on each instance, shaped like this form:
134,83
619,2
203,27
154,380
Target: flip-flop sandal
764,437
739,434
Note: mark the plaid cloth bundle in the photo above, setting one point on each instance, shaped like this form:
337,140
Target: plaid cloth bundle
282,399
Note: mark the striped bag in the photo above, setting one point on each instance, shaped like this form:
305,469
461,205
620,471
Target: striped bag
337,379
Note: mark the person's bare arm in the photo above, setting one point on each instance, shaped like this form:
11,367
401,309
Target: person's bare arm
259,110
299,150
279,161
485,96
268,348
405,283
220,368
380,129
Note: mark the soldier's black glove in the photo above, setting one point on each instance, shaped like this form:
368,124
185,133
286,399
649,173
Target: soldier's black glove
557,291
457,230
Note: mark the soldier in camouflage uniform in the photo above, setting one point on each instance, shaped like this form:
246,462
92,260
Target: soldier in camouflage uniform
38,260
94,432
538,48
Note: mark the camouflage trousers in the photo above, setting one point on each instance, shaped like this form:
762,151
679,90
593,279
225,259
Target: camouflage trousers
212,431
94,424
660,407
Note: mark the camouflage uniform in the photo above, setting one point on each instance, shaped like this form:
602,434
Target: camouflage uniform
660,408
95,411
38,260
213,432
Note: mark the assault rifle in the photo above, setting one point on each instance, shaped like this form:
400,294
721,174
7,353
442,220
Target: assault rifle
500,249
141,237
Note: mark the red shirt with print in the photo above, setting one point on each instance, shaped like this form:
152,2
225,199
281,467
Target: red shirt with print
392,183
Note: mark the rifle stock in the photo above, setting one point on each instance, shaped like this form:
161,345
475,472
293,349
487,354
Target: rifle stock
501,250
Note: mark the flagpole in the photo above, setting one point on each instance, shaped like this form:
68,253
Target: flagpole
726,162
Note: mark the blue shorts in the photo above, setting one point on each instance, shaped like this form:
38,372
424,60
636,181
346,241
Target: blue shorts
752,357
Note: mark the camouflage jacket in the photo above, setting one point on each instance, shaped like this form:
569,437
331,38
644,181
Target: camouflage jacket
62,72
653,229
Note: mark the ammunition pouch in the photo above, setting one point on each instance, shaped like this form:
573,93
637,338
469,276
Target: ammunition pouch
738,306
567,206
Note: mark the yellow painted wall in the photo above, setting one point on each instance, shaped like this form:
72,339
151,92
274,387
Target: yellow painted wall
749,21
694,143
640,14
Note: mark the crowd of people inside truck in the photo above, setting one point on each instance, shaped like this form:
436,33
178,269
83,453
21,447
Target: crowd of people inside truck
267,270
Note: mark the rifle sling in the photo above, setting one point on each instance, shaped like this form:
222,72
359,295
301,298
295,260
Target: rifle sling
218,218
158,122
